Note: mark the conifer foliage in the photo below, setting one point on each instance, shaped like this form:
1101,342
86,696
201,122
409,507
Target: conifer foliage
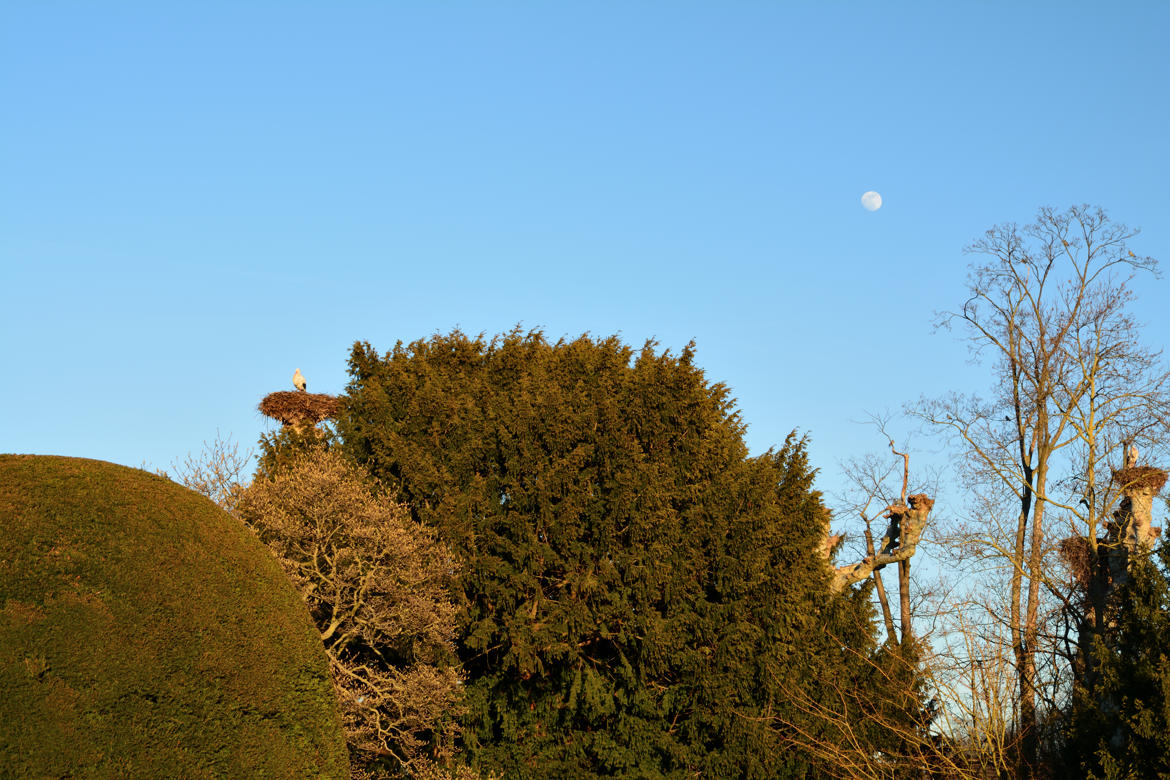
1121,729
638,596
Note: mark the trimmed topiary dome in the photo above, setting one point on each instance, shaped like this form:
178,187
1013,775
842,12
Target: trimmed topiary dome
146,633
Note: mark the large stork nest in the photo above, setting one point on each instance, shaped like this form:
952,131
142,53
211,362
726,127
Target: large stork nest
1078,554
297,409
1138,477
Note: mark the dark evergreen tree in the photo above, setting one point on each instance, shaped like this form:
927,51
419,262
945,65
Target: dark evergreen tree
640,597
1121,727
282,449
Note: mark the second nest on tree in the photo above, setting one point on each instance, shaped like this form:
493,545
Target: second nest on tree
296,408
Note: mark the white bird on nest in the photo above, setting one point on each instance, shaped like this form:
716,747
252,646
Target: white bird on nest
299,381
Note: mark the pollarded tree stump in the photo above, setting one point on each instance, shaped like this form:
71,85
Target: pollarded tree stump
1139,485
899,543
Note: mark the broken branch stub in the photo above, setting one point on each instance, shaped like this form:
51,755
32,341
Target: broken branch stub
899,543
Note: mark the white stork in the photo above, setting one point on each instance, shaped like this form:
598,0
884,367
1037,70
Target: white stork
299,381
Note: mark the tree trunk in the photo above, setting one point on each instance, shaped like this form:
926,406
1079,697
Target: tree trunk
879,586
904,596
1015,591
1028,721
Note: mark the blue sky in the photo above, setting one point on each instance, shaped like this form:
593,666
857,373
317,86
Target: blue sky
198,198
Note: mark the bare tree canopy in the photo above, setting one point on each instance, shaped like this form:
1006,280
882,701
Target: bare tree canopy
377,585
1048,308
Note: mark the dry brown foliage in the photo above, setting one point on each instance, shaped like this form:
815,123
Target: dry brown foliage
377,585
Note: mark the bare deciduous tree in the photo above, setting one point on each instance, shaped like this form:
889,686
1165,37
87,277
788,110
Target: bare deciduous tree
219,472
915,740
377,585
1048,304
906,519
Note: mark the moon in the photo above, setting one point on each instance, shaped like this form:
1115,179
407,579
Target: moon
871,200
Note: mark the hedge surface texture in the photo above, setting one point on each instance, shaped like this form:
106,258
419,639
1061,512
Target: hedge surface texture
146,633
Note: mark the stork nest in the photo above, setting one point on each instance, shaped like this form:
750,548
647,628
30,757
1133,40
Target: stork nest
296,408
1138,477
1078,554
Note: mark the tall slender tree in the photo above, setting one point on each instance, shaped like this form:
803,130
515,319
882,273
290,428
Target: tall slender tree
1048,304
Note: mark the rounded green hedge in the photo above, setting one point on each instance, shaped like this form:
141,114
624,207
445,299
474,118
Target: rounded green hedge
146,633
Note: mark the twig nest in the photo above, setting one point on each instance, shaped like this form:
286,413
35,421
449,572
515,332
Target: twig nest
297,409
1078,554
1140,477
